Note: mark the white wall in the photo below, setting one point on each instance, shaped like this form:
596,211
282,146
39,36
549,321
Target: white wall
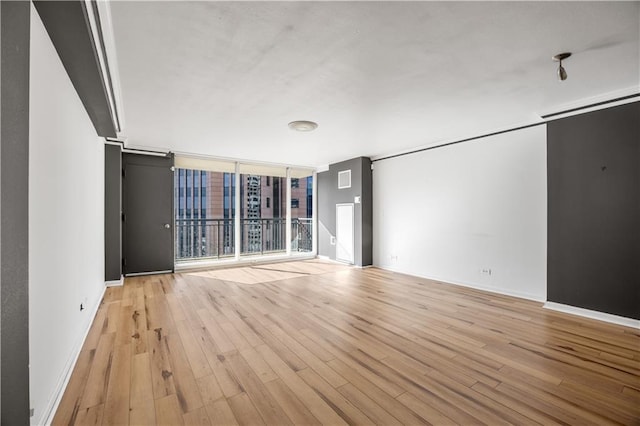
66,225
450,212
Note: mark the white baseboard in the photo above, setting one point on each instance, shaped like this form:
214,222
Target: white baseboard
115,283
587,313
476,286
49,413
337,262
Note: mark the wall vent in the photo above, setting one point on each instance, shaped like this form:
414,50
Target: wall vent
344,179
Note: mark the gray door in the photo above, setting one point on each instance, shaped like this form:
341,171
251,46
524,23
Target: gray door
148,214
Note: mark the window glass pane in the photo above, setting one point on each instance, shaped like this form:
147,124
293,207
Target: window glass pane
262,214
301,210
204,217
205,210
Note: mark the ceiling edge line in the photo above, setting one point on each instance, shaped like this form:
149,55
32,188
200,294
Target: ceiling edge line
429,148
546,119
592,105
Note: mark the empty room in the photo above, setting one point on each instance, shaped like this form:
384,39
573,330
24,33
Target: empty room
319,212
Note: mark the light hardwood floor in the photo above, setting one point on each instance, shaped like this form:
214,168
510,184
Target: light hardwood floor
317,343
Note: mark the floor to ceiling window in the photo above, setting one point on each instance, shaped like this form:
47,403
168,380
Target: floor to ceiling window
301,210
262,209
269,213
204,206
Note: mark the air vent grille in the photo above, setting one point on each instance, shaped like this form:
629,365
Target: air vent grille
344,179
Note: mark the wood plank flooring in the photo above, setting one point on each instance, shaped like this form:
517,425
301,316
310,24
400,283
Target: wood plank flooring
316,343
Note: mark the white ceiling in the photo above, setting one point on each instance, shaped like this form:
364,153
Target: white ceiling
225,78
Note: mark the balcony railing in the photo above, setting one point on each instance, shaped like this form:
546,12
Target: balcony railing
214,238
204,238
302,234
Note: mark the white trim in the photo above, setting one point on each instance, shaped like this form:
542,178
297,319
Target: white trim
140,152
495,290
137,274
237,240
119,144
50,412
100,50
115,283
314,214
106,24
587,313
287,221
337,262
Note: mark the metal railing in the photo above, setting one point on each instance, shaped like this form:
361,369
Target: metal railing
204,238
302,234
261,236
214,238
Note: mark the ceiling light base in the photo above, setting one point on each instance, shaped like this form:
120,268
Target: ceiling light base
561,56
303,125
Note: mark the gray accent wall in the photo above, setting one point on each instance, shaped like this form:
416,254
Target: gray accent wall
112,212
14,207
593,166
329,195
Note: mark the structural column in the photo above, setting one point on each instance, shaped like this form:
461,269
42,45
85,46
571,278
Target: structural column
288,213
237,215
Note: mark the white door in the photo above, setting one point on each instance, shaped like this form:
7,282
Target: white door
344,232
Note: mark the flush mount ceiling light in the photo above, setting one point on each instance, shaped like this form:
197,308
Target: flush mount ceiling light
562,74
303,125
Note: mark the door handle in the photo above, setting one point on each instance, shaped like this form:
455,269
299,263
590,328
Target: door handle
167,226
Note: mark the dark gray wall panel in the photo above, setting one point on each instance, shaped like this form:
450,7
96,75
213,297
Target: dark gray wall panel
593,165
67,25
329,195
112,213
367,212
14,211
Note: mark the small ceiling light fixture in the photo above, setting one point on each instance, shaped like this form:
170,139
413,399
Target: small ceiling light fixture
303,125
562,73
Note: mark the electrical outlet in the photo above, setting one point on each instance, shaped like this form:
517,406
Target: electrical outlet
486,271
394,257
